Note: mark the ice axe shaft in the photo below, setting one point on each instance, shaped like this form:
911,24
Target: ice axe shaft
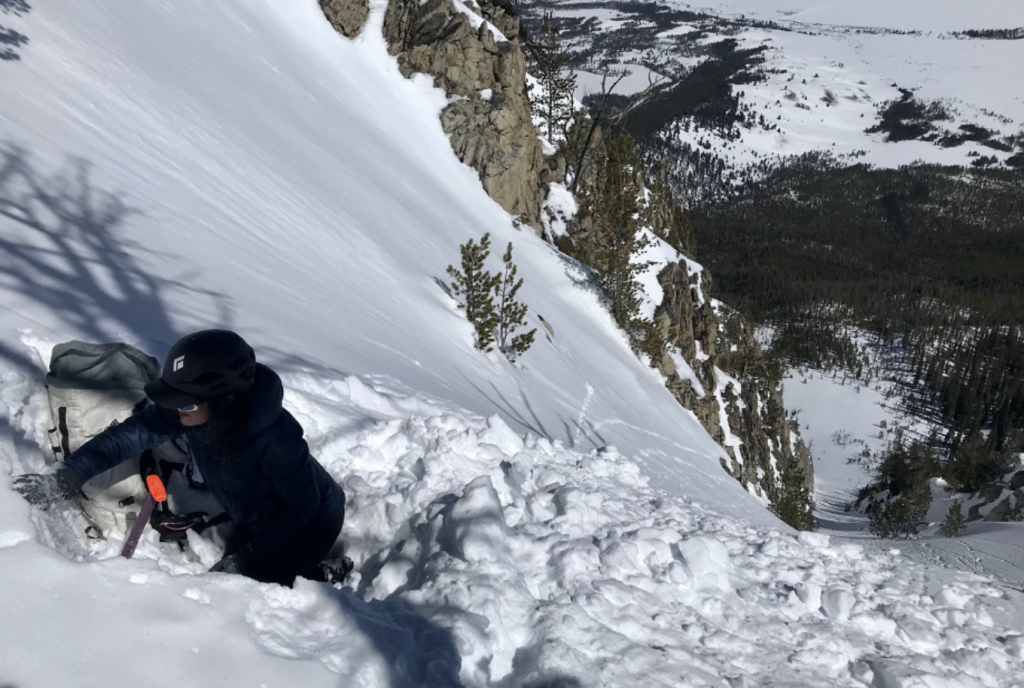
155,492
132,541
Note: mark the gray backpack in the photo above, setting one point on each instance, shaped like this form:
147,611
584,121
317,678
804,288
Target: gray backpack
91,387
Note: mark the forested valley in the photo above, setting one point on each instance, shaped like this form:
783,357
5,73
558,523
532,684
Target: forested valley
912,278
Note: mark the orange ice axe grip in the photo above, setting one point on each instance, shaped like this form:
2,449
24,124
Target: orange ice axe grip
156,488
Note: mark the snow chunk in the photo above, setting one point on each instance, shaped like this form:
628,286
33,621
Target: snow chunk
837,603
12,538
816,540
197,595
475,529
948,598
707,562
307,622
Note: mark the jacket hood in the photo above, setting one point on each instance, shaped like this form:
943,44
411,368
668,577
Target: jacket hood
265,399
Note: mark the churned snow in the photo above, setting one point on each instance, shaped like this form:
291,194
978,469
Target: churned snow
486,557
170,167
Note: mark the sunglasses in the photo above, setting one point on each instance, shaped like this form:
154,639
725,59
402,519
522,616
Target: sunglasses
191,408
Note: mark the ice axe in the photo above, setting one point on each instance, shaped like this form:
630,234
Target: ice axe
155,492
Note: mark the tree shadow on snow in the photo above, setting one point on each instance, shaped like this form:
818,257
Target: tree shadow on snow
63,249
418,652
422,654
11,40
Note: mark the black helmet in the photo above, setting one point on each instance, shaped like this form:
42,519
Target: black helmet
201,366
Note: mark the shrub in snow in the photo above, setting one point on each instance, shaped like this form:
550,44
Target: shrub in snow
954,523
511,313
490,300
474,284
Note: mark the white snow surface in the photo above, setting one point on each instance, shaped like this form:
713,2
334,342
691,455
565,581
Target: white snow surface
840,418
174,166
861,52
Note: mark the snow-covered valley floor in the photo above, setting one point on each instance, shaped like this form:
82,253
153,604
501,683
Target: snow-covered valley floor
841,418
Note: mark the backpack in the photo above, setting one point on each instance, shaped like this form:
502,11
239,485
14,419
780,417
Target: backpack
92,387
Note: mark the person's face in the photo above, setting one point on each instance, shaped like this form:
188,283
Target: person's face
199,414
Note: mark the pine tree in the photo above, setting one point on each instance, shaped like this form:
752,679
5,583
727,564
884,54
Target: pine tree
475,285
954,523
790,499
902,516
511,314
553,102
611,211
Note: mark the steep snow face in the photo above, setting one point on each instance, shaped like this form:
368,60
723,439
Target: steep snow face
169,168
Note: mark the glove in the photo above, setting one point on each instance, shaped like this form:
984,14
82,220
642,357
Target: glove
44,490
234,563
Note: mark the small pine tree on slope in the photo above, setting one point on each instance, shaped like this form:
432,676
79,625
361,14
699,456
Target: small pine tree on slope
610,205
954,523
904,515
511,314
790,499
475,285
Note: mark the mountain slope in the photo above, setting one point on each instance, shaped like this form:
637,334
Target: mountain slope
274,177
172,166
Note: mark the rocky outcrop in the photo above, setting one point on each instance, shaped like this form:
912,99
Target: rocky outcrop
1005,499
346,16
689,323
734,382
472,49
473,52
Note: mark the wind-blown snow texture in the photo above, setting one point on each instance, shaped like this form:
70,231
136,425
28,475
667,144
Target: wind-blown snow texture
171,166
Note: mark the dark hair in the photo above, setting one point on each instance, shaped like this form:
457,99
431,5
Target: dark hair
227,428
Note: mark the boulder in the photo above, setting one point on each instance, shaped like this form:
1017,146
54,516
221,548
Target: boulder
346,16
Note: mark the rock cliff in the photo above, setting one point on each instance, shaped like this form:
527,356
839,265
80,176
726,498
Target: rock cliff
742,409
472,50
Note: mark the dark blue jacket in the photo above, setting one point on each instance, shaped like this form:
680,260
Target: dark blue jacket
272,485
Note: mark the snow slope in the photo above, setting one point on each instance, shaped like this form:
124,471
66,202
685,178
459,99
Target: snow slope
906,15
172,166
168,168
